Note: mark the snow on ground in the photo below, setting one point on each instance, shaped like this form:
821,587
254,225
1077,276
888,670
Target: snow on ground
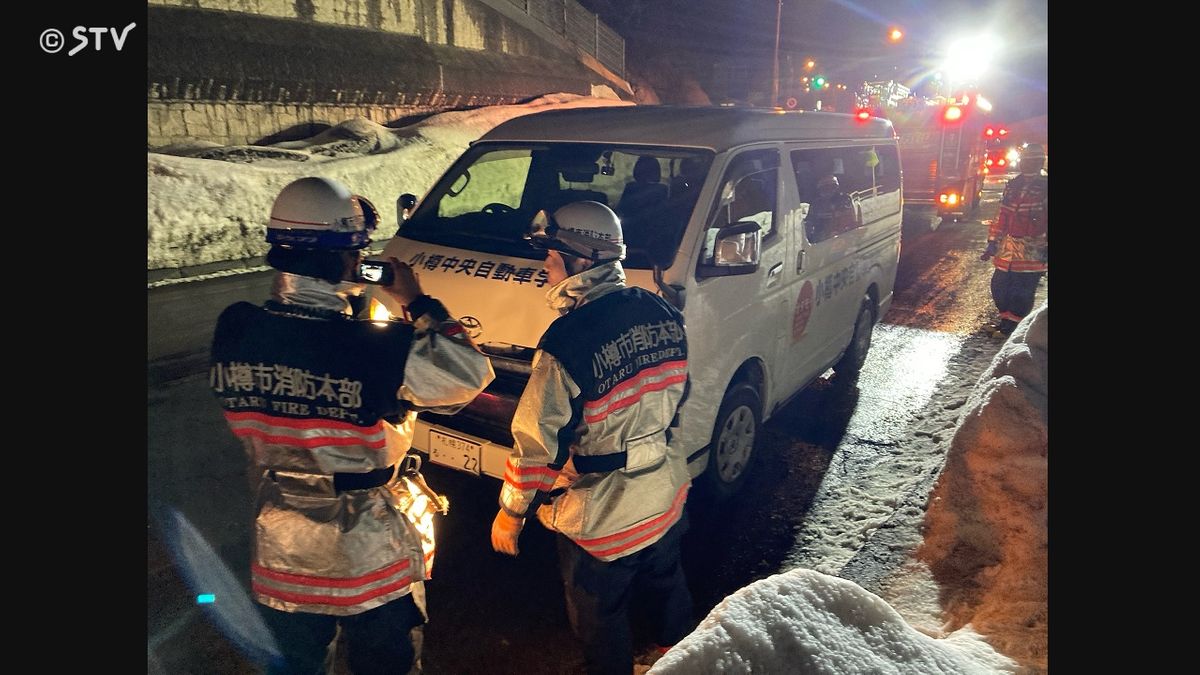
202,210
803,621
986,543
908,363
981,569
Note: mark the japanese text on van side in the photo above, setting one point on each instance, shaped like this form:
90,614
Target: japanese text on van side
486,269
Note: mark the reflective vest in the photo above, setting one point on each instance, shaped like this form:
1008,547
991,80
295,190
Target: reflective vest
592,426
1020,229
315,401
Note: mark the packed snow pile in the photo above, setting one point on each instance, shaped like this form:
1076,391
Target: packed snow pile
803,621
208,203
985,548
985,541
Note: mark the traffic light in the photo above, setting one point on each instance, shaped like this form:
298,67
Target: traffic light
989,132
819,82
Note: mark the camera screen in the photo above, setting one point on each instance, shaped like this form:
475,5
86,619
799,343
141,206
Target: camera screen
371,271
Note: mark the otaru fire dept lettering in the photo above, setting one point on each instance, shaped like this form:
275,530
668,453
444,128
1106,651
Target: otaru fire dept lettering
280,380
613,362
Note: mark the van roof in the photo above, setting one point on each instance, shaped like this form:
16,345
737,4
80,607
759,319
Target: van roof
716,128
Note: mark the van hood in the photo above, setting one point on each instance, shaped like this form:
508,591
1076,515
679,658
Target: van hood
501,300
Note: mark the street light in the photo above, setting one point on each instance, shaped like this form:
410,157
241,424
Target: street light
895,34
968,58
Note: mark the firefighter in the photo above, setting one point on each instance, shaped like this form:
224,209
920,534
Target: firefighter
592,432
324,405
1017,240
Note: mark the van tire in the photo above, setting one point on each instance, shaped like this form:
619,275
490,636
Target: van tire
735,441
856,353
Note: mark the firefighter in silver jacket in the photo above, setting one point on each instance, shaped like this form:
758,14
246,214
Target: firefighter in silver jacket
325,406
1018,239
592,433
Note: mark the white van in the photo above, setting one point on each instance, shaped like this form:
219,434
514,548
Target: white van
721,216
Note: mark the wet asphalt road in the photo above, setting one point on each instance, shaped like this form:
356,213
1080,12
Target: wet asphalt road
494,614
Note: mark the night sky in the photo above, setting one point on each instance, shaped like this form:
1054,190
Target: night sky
847,38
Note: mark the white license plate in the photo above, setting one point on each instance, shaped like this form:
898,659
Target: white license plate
454,452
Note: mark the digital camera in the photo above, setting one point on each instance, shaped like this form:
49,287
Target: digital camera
378,272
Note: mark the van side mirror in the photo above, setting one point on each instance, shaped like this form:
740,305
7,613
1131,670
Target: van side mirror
735,250
404,207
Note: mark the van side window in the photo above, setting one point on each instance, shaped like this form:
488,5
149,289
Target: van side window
883,198
887,173
828,179
748,193
846,188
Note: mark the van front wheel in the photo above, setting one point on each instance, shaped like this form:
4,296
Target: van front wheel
856,354
734,442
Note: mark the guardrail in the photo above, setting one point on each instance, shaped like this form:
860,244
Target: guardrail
580,27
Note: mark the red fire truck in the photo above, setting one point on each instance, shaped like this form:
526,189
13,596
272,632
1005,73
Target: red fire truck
942,148
999,161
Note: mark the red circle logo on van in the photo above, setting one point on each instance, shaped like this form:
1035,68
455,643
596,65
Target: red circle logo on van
804,308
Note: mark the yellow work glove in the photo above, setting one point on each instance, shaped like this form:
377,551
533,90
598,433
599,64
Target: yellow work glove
505,530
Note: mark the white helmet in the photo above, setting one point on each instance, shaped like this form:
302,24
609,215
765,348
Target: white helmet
583,229
321,214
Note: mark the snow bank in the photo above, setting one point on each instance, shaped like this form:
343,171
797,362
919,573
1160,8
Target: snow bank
985,539
985,545
200,210
803,621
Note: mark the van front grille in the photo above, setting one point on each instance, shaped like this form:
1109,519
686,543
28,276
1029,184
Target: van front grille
490,414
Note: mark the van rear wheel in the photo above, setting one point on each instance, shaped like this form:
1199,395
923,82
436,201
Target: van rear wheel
732,452
856,354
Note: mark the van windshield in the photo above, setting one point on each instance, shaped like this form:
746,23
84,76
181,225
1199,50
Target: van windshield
486,201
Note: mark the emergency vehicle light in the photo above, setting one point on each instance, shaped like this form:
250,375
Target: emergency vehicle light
952,114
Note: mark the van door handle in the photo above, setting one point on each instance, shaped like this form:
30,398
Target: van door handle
800,262
775,269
